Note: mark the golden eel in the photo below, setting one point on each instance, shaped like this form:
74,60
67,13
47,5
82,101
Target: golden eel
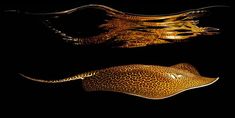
105,25
147,81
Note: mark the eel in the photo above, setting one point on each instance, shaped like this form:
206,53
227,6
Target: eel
95,24
146,81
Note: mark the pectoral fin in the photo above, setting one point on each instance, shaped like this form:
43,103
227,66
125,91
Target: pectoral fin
186,66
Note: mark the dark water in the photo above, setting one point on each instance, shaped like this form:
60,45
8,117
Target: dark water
29,47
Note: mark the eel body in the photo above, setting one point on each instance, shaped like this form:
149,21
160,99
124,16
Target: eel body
147,81
95,24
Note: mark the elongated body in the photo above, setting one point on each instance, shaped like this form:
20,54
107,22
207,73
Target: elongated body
124,30
148,81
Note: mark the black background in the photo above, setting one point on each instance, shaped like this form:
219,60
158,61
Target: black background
28,47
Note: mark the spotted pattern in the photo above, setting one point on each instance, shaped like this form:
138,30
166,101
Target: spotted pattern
126,30
147,81
143,80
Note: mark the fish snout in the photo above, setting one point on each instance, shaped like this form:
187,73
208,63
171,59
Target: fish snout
205,81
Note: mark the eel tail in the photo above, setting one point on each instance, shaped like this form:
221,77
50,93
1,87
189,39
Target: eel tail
72,78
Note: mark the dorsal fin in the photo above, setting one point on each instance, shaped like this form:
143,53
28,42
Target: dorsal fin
186,66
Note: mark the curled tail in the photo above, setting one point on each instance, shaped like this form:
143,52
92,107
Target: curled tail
76,77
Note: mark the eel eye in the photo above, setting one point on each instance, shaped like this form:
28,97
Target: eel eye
175,76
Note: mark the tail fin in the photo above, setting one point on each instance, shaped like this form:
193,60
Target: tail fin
64,12
77,77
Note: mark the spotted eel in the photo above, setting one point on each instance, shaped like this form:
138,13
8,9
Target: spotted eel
146,81
122,29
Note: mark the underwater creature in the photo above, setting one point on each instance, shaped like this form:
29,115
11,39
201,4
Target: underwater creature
146,81
95,24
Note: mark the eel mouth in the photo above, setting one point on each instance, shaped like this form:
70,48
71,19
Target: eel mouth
206,82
